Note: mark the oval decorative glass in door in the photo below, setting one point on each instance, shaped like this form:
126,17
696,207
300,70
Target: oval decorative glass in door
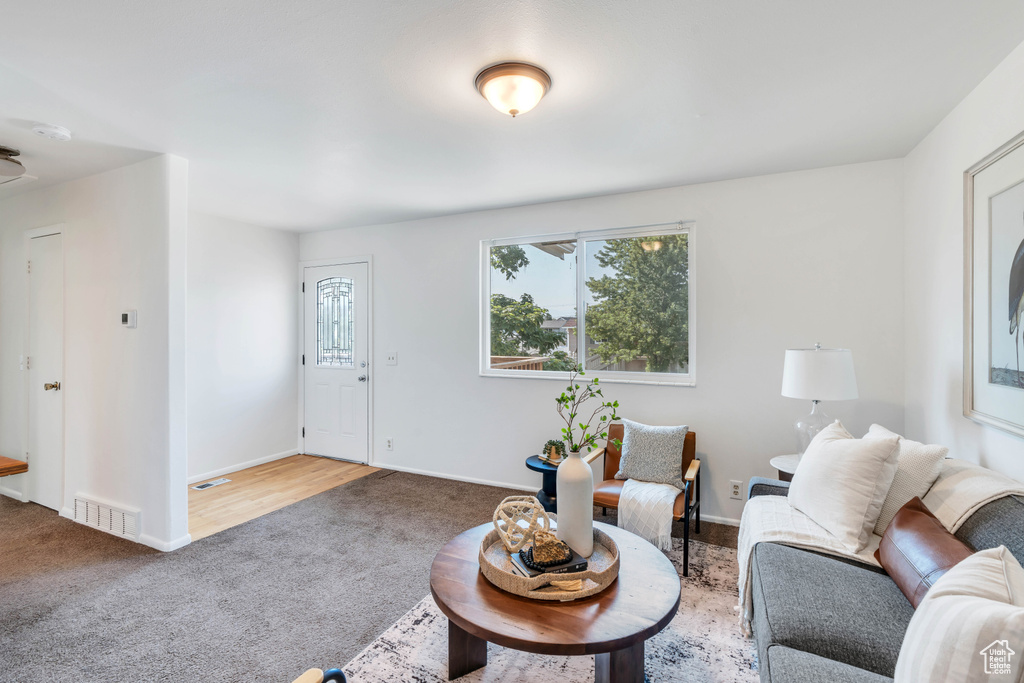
335,332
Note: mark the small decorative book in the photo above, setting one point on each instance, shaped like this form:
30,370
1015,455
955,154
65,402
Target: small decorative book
524,564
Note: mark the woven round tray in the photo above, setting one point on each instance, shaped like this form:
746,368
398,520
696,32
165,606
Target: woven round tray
602,570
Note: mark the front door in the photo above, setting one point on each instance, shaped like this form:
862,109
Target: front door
46,371
336,368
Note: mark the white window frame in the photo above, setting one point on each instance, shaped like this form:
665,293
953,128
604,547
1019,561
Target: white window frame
688,228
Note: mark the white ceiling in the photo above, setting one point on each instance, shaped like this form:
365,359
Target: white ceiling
323,113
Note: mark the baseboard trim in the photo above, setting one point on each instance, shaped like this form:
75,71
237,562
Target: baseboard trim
165,546
242,466
728,521
444,475
11,493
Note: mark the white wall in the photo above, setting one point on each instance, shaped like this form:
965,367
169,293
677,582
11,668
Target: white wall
243,291
124,391
781,261
986,119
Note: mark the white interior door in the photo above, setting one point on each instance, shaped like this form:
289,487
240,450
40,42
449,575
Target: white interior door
46,371
336,368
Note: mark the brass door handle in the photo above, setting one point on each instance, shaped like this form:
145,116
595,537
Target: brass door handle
48,386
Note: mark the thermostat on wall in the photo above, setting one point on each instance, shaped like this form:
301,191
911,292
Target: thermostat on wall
129,319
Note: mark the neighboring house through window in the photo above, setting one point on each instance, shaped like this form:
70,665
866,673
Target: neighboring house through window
619,302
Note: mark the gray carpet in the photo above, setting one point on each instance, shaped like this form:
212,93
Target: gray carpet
309,585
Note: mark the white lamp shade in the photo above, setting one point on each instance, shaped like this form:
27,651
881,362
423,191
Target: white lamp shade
819,375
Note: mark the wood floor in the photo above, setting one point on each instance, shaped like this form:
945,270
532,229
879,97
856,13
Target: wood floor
258,490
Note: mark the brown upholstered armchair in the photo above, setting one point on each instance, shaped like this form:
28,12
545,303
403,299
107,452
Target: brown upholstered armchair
687,506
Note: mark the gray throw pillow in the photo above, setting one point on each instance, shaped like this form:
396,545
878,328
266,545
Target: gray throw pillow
652,454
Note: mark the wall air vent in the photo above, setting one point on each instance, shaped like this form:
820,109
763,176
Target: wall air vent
6,181
121,523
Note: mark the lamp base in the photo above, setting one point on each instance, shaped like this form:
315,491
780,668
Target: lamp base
807,427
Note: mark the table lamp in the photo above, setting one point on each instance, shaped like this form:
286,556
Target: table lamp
817,375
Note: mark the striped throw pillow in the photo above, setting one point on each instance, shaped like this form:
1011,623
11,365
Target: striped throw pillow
970,626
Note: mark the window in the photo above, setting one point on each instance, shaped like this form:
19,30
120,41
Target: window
334,315
619,302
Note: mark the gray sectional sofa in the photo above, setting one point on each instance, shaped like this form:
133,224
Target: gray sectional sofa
822,618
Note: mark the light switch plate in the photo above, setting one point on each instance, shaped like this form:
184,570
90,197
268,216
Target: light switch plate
392,358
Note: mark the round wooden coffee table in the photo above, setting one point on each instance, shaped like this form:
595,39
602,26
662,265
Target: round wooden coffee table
611,625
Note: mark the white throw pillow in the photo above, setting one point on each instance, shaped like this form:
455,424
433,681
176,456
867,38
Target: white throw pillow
841,483
968,624
917,467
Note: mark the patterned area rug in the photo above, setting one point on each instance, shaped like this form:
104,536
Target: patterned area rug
702,643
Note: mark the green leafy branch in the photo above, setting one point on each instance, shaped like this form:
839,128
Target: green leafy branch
569,407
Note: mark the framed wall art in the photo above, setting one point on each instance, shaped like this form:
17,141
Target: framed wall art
994,288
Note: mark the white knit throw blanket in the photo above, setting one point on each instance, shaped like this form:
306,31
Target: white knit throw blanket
645,509
773,519
960,490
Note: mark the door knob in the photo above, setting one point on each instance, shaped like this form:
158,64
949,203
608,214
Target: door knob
48,386
362,378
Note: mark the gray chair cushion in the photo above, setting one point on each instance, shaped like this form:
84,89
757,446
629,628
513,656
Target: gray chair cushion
786,665
840,610
1001,522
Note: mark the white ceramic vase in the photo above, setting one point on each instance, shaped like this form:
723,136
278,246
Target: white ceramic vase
575,496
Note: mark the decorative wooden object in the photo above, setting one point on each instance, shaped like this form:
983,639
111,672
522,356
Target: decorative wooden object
602,569
611,625
517,518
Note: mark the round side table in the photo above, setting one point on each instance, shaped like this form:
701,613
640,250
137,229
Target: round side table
786,465
549,489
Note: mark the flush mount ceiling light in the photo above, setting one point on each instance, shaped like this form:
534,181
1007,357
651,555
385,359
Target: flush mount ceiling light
513,88
9,166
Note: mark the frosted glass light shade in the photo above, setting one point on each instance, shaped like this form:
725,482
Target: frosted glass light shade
513,88
819,375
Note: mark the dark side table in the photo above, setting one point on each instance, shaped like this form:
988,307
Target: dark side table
549,490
